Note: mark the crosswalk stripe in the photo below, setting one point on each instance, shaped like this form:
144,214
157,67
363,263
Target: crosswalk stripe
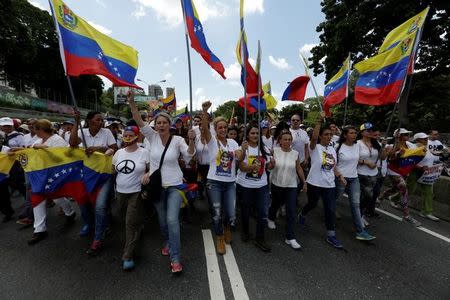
237,284
212,265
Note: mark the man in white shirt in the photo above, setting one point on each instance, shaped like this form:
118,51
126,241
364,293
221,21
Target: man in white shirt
434,144
30,138
300,139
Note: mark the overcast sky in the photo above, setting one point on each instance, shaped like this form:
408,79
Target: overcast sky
154,27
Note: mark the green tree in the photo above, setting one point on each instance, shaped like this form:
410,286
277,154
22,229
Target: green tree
371,20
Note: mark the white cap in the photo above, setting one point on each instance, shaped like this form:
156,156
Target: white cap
24,126
6,121
400,131
420,135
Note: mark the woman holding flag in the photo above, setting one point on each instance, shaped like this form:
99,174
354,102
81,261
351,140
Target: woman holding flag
221,187
169,204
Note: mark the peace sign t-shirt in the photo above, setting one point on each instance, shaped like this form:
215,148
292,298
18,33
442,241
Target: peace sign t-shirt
130,166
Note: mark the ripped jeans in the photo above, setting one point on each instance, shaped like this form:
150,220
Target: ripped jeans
222,197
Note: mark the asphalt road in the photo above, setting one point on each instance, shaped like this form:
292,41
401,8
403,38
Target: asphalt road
402,263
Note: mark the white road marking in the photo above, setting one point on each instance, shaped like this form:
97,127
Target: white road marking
389,214
212,265
237,284
435,234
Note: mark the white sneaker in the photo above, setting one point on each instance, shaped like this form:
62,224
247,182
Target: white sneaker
430,217
293,243
365,223
412,221
271,224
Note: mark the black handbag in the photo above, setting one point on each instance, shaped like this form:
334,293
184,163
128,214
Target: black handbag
153,189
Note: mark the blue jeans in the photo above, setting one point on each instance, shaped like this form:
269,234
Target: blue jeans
222,194
354,192
257,197
329,205
101,207
288,196
168,209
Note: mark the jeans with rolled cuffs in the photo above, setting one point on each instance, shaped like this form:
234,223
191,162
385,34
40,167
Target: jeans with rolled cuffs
353,191
168,210
329,205
101,208
222,197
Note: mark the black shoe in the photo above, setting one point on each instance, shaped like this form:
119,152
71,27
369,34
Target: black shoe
245,237
261,244
70,220
37,237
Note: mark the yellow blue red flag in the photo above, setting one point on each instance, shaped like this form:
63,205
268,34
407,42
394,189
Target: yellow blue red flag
64,172
85,50
382,76
6,163
336,89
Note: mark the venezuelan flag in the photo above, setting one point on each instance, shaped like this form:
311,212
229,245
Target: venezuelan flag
402,31
85,50
169,103
296,90
182,114
64,172
404,164
197,37
336,89
6,163
251,101
382,76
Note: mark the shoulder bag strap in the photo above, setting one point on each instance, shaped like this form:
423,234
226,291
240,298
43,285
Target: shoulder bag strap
164,152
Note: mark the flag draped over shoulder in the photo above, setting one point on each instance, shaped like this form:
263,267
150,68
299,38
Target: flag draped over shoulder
6,163
404,164
271,102
296,90
197,37
382,76
64,172
85,50
336,90
399,33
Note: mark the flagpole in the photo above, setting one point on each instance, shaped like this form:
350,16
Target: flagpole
188,59
305,63
259,98
74,101
346,93
243,55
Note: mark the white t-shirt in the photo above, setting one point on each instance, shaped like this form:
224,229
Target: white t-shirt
201,151
29,140
323,161
103,138
299,139
429,160
348,157
433,145
254,179
367,154
170,171
222,160
52,142
334,141
285,172
5,149
16,141
130,167
268,142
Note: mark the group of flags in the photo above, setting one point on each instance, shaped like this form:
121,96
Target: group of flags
84,50
381,77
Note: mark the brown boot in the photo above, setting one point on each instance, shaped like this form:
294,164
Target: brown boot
220,244
227,233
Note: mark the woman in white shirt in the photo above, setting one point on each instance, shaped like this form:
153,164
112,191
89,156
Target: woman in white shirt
221,187
252,185
130,164
347,153
168,206
284,180
48,139
370,153
321,179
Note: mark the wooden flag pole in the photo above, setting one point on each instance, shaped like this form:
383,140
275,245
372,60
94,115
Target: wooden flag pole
74,101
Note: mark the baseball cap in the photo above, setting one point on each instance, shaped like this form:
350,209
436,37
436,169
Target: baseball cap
71,122
264,124
400,131
366,126
134,129
420,135
24,127
5,121
273,127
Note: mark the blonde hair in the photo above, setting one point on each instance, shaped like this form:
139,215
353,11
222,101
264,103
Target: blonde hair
44,125
219,119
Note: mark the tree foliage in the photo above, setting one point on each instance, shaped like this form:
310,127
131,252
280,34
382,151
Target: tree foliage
359,27
29,56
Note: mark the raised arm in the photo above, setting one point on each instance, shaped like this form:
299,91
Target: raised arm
315,134
134,111
204,126
74,140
